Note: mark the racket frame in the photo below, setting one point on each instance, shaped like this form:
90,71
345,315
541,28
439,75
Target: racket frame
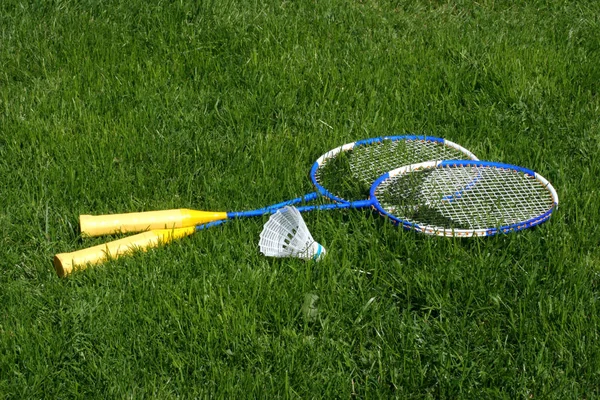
436,231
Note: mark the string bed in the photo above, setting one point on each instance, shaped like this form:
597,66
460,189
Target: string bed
465,197
349,174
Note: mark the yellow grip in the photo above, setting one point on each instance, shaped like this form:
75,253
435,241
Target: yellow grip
97,225
64,263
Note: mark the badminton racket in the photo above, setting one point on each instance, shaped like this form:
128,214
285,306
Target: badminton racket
342,175
503,198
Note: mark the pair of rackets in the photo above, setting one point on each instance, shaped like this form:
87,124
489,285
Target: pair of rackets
421,183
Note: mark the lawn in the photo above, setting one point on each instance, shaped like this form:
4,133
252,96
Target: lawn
121,106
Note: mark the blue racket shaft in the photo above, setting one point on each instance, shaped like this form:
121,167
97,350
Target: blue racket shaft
260,211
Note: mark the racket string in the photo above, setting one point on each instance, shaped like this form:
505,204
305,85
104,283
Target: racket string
349,174
464,198
369,162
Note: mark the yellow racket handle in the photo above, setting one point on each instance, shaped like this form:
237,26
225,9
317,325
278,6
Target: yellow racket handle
65,263
97,225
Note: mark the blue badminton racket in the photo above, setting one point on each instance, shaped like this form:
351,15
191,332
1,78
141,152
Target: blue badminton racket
342,175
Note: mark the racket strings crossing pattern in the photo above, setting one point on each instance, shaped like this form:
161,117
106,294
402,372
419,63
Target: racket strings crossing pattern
369,162
472,197
349,173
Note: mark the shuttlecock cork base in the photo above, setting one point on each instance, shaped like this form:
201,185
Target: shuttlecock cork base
286,235
314,252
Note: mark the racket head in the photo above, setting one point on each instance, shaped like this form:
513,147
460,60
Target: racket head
347,172
464,198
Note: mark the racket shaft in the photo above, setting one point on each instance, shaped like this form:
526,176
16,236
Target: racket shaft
97,225
64,263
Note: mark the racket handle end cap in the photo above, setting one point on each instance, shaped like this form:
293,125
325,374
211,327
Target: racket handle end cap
62,264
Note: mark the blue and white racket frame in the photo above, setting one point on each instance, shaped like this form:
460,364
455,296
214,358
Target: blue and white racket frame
350,146
464,232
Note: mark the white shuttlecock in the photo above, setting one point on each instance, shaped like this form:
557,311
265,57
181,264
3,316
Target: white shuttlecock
285,235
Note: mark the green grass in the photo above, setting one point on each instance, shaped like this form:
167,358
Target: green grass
120,106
